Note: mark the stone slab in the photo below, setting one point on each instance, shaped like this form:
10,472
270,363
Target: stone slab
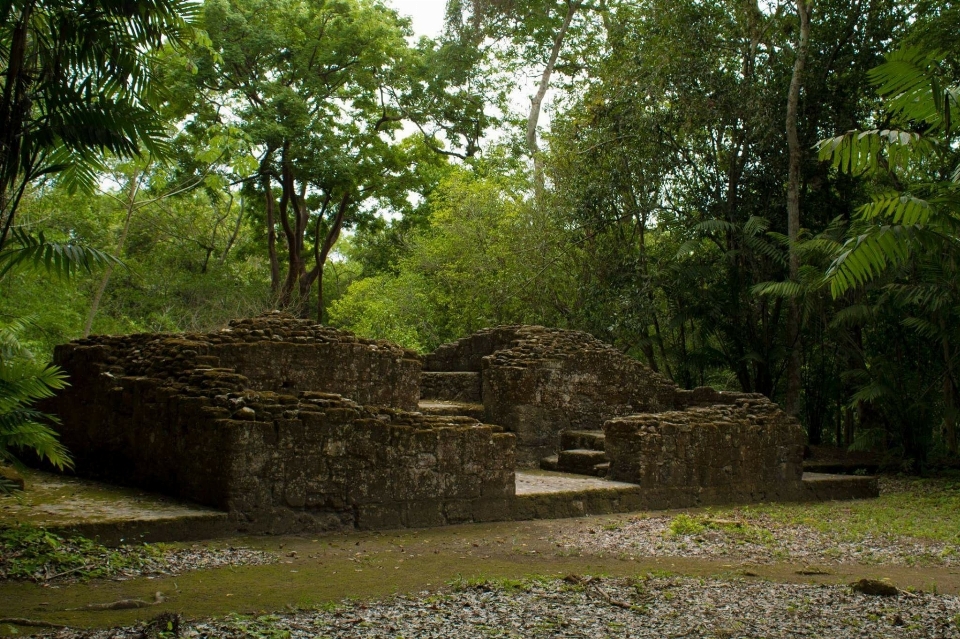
552,495
450,408
111,514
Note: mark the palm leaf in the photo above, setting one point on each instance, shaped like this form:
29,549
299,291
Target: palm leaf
865,257
898,208
908,80
61,259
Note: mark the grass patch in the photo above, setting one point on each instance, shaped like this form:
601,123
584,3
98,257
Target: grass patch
684,525
487,583
34,554
908,507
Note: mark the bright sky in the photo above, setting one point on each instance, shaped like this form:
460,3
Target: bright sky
427,14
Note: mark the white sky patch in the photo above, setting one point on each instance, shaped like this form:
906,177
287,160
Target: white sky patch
427,15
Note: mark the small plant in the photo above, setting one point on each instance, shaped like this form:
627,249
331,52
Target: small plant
684,525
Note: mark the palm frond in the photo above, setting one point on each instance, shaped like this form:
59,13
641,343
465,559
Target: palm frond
898,208
854,315
865,257
785,290
909,81
61,259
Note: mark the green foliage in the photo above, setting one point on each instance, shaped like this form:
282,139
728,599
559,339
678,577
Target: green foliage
35,554
924,209
684,525
487,258
76,84
23,382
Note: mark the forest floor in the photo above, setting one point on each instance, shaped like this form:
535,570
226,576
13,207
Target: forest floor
771,570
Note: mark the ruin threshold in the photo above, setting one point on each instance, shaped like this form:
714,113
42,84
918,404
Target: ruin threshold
288,426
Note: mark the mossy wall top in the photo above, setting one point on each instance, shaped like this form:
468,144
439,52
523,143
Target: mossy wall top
275,352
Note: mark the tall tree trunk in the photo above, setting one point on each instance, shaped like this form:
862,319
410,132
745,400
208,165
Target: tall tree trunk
536,102
292,233
236,232
321,253
793,207
949,394
269,205
14,109
135,182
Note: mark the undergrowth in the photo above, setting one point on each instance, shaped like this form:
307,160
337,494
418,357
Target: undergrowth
35,554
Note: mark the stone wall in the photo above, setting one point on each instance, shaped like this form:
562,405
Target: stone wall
551,380
455,387
466,354
746,451
161,413
704,396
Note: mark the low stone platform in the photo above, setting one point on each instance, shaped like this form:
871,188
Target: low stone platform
114,514
109,513
547,495
827,487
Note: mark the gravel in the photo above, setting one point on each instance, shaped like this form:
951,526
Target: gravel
175,562
754,539
654,606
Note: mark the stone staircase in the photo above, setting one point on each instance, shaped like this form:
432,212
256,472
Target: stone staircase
581,453
451,394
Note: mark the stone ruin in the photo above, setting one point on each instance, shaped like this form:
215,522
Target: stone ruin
244,420
291,426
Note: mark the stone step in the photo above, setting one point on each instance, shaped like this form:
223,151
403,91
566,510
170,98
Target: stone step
451,409
582,439
451,387
581,461
550,463
600,470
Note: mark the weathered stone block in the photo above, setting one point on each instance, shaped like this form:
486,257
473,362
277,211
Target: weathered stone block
746,451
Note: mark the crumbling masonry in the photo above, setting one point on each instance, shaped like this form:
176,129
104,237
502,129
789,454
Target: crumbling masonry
291,426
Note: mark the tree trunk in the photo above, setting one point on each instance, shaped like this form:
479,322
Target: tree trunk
320,254
792,404
105,280
236,232
536,102
292,233
14,109
949,395
271,235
